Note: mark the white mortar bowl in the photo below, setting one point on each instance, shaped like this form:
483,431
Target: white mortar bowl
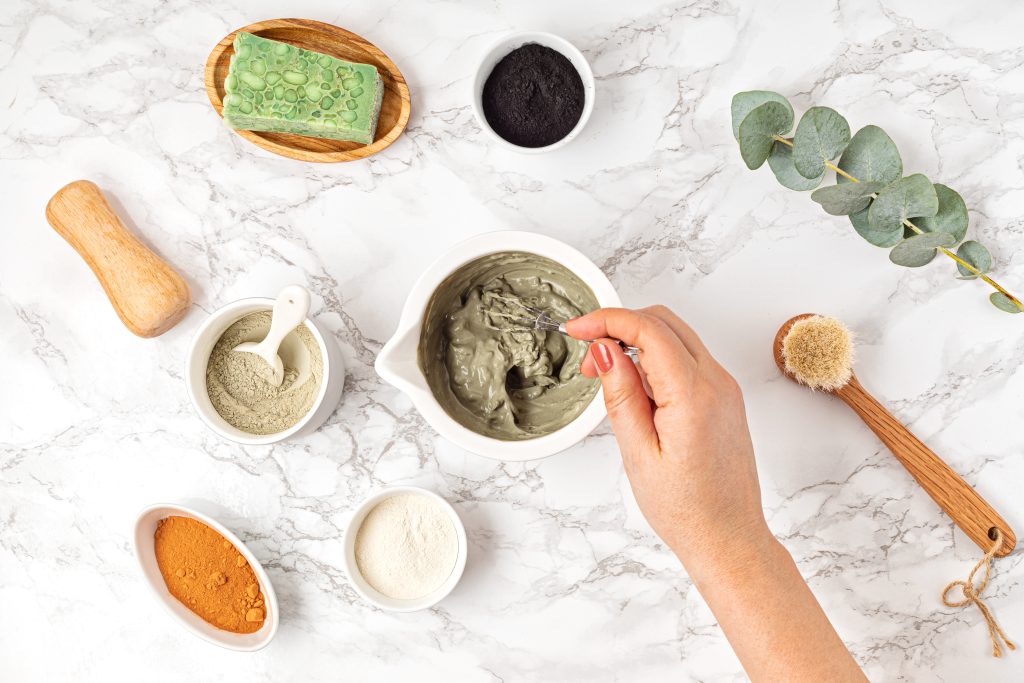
511,42
206,337
145,528
397,363
368,592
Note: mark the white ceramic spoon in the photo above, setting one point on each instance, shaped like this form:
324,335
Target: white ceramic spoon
290,310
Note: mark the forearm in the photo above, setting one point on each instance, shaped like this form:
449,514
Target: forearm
768,613
687,451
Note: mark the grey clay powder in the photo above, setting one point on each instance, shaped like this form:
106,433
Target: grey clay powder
239,391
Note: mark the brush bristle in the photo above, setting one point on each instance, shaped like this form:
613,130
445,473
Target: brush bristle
819,352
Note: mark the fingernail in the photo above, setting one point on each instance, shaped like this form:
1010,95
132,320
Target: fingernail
602,357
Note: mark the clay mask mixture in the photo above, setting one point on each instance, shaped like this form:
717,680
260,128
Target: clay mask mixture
492,376
237,382
407,546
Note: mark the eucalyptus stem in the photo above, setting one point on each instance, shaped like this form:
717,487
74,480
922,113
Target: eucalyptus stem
919,231
828,164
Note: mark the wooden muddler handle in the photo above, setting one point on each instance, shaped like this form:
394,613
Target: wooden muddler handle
954,495
149,296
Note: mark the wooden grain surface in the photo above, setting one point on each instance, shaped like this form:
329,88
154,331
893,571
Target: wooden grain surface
336,42
956,497
149,296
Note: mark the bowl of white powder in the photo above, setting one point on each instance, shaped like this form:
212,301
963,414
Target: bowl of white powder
405,549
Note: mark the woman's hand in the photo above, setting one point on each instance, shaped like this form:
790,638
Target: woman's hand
688,455
686,448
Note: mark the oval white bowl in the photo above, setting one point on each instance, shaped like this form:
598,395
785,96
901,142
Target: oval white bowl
514,41
368,592
145,528
397,363
199,355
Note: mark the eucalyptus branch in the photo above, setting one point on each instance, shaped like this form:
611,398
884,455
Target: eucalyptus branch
969,266
870,188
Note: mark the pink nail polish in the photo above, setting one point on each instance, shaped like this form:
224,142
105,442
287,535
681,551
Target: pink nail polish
602,358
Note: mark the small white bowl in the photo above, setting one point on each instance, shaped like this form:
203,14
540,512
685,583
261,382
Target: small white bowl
199,355
374,597
512,42
397,362
145,528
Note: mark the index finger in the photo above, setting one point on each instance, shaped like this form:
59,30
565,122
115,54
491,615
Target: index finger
652,335
690,340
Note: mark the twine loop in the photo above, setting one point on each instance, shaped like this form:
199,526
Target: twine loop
973,593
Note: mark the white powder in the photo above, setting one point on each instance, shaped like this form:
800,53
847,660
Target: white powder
407,546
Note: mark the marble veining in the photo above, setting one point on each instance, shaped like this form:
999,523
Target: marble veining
565,581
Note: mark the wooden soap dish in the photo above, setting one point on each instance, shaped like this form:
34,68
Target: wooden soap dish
334,41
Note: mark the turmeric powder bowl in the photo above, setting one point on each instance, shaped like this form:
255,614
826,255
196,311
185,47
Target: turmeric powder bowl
259,598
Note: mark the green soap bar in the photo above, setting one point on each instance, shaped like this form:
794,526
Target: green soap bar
279,88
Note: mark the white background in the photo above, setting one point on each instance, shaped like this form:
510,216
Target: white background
565,580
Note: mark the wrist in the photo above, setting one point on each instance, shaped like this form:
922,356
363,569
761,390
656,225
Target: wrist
733,554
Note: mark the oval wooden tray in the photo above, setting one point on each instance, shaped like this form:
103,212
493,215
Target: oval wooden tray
334,41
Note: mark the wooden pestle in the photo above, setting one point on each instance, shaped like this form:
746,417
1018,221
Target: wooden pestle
955,496
148,295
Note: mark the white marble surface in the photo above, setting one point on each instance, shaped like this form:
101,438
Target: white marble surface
565,581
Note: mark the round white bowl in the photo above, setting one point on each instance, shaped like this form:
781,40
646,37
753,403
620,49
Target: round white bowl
145,528
397,362
199,355
512,42
370,594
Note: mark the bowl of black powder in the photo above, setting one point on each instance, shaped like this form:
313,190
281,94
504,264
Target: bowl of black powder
533,92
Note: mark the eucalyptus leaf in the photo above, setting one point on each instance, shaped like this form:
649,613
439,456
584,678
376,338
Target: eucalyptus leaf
781,163
919,250
745,102
908,197
821,136
841,200
952,215
879,238
758,128
1003,302
860,219
977,255
871,155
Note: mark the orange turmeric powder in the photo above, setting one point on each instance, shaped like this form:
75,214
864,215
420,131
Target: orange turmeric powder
205,572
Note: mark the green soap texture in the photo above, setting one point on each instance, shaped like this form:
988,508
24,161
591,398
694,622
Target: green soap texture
279,88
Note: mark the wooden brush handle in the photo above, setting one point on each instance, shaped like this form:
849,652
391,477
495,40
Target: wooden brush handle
149,296
954,495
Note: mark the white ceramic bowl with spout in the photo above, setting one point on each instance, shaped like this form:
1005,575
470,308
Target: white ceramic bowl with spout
397,363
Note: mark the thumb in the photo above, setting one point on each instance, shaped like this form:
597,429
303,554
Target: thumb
629,407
